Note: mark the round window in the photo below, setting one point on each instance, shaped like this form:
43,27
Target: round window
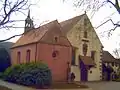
54,54
90,71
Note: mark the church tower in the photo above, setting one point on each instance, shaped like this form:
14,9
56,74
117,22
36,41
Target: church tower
28,23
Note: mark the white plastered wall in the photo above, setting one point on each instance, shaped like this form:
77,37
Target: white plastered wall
75,36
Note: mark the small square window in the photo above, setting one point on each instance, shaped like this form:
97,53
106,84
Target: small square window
56,39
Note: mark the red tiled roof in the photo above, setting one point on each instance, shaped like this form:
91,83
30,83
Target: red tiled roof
107,57
36,35
87,60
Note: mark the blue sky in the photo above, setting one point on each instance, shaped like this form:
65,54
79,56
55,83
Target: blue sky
48,10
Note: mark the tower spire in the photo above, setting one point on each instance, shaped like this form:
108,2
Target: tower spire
28,13
28,23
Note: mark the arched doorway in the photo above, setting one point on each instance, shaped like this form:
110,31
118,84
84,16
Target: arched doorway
85,63
83,71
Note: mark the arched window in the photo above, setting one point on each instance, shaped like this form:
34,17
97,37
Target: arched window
18,57
85,34
28,56
73,57
93,55
85,48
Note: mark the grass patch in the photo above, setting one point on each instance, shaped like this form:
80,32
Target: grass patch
4,88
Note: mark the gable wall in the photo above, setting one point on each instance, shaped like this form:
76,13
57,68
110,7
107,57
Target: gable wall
75,36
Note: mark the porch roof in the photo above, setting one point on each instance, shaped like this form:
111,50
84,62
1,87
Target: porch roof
87,60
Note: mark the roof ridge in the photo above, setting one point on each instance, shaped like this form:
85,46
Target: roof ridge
46,24
35,35
73,18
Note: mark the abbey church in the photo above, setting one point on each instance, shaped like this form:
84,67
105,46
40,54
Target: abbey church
68,46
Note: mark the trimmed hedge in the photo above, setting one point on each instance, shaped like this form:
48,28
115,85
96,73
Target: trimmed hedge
30,74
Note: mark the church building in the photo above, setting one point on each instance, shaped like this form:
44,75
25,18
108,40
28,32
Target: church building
69,46
46,44
87,48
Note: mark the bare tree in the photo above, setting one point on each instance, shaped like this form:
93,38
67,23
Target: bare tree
22,33
116,52
9,9
93,6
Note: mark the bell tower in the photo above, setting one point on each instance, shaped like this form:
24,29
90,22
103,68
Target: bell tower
28,23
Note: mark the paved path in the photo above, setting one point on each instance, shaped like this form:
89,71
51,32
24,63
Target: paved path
104,85
14,86
19,87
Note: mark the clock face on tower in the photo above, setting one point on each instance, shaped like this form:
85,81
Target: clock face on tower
85,49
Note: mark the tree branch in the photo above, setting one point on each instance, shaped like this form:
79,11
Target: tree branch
22,33
115,24
10,8
116,5
10,37
116,52
113,29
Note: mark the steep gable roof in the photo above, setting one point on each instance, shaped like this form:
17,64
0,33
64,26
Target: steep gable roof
107,57
117,60
69,24
37,34
55,31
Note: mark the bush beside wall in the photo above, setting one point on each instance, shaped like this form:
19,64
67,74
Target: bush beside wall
30,74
